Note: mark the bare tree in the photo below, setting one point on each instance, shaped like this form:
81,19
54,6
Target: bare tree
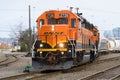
23,36
16,32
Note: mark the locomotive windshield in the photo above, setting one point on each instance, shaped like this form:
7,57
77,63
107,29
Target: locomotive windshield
58,21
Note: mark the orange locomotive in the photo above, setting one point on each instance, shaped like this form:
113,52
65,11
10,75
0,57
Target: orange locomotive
64,40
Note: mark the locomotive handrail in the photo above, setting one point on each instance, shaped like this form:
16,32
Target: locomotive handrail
73,45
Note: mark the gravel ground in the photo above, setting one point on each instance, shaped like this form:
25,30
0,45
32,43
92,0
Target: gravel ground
15,68
18,67
86,70
108,56
2,57
118,78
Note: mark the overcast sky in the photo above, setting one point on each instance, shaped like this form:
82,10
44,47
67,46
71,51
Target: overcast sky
103,13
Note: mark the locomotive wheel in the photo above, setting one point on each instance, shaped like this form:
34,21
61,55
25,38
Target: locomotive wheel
75,61
65,70
79,57
92,56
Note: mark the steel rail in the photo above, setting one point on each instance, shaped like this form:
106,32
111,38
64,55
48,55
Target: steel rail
89,77
4,59
30,76
116,77
5,63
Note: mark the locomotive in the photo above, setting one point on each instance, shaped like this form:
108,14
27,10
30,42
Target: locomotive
65,39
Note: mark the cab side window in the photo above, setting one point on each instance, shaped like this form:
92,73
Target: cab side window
41,22
73,23
95,33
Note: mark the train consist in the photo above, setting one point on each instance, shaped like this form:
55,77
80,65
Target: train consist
65,39
109,45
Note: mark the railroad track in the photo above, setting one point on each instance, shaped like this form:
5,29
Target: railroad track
9,59
71,70
108,59
4,59
43,76
107,74
31,76
117,77
81,67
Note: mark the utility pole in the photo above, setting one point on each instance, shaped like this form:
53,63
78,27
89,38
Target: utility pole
33,34
30,36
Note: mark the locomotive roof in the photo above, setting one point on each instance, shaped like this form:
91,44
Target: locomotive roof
60,11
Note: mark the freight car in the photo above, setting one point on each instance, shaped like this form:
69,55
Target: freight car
117,46
65,39
106,46
103,47
109,45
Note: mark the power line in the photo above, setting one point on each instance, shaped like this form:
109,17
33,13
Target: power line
5,31
101,11
87,9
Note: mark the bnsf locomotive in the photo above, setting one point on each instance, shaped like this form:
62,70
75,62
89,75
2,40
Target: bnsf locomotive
65,39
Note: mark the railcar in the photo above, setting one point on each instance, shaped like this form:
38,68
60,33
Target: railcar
117,46
65,39
109,45
104,46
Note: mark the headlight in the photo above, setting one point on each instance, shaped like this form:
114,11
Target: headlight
41,45
62,53
69,50
61,45
40,52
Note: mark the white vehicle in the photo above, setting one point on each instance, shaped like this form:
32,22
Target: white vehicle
117,46
103,46
111,45
15,49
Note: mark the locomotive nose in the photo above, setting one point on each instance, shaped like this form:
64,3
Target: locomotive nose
54,34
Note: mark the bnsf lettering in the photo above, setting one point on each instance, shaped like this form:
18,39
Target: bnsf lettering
53,33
